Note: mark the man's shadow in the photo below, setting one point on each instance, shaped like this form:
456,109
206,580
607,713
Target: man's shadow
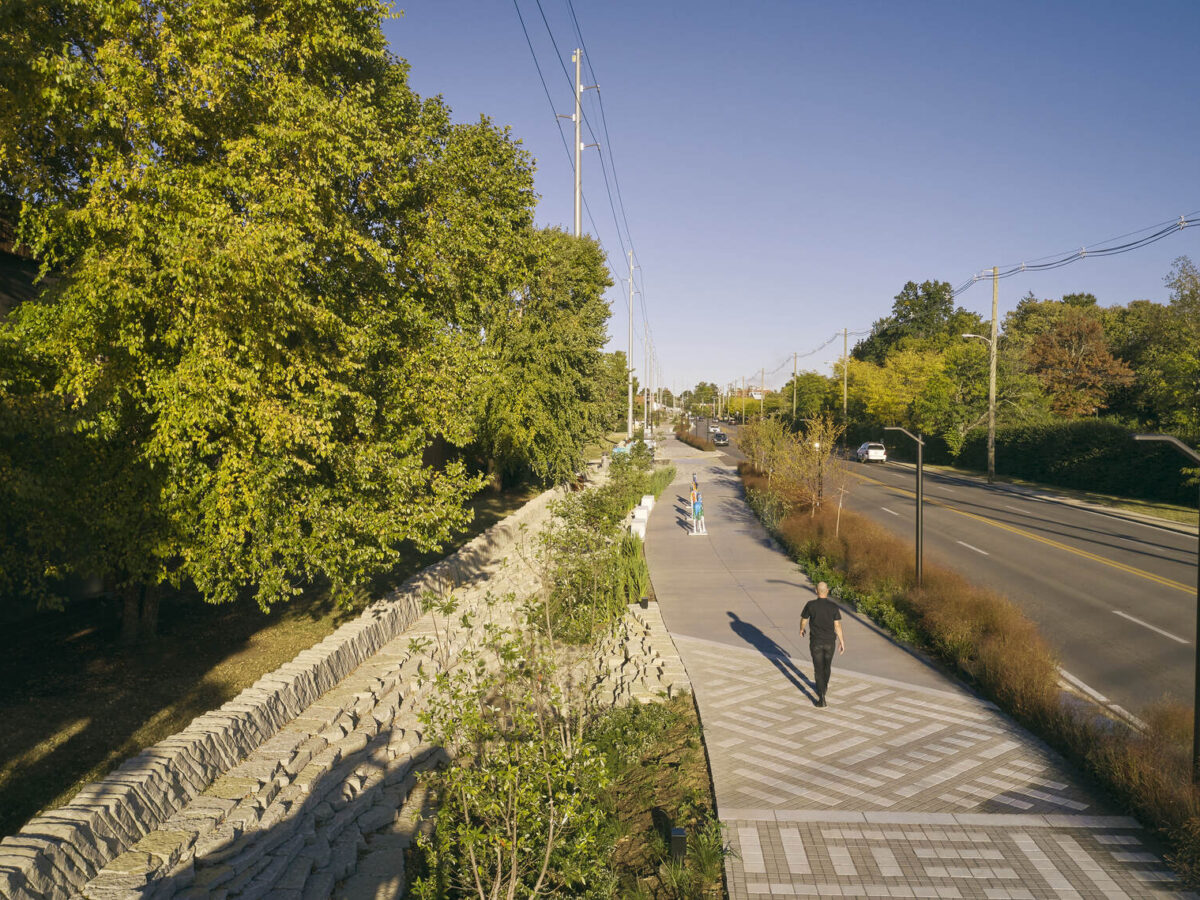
776,654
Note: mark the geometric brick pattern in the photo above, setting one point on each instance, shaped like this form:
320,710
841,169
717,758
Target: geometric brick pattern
897,791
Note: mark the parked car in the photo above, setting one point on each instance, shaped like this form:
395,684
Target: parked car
871,452
720,439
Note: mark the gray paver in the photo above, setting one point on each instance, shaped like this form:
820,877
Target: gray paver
907,785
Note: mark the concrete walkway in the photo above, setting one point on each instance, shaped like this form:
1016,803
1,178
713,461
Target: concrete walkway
906,785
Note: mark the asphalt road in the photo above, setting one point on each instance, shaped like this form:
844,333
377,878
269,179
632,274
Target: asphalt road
1116,597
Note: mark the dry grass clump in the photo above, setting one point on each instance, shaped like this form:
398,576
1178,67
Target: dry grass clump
989,641
690,439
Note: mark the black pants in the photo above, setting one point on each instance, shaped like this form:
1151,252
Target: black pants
822,657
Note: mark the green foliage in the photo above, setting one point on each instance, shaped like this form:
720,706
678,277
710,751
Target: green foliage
1088,454
271,266
520,811
592,569
923,318
553,391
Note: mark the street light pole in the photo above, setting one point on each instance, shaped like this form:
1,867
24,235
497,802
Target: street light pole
920,498
1195,457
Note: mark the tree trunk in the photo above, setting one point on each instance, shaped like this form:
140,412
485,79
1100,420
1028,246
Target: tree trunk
132,594
148,627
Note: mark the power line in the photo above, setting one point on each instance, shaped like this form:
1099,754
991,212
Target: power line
603,118
592,132
586,121
1106,248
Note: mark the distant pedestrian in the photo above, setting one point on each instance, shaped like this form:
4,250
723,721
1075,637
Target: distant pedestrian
825,619
698,515
692,501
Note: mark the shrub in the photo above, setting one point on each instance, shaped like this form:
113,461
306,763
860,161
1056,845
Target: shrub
1086,454
520,809
591,569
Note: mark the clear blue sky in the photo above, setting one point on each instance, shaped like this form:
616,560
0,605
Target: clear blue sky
787,166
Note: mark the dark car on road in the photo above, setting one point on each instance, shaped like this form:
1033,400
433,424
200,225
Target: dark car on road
720,439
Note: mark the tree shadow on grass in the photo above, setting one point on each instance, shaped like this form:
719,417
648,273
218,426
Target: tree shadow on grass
778,656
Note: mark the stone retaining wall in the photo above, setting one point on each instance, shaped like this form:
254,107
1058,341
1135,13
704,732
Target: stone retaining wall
305,785
56,853
639,660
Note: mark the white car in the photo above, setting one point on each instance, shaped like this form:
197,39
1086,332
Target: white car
871,452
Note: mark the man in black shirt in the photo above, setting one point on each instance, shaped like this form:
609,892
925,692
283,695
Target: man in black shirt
826,622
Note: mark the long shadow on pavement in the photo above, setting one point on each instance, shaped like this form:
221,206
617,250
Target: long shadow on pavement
776,654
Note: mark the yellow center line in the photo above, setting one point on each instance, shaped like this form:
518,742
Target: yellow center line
1131,570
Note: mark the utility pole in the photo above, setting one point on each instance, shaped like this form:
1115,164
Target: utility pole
646,386
629,358
845,368
762,393
578,119
743,399
992,379
793,386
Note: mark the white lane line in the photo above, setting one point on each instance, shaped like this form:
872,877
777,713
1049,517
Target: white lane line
1013,508
1138,621
886,510
976,549
1079,684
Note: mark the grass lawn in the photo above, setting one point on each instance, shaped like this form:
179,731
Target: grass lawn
74,703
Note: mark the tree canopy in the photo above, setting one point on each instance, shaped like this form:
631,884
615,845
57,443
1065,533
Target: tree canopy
553,390
270,268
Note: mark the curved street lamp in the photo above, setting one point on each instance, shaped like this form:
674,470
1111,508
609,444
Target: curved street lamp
1195,457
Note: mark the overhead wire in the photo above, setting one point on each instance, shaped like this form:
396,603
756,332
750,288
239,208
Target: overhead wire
562,138
571,84
587,57
1106,248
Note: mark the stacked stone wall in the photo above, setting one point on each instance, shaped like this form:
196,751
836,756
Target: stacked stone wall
639,660
305,785
55,854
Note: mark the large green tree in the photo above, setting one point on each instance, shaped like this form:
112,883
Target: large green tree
1173,375
273,265
923,317
552,391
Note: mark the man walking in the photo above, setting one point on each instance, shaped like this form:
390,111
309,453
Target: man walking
825,619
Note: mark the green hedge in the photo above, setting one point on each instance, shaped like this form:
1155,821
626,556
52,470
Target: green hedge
1088,454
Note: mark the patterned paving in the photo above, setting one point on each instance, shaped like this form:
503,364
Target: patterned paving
898,791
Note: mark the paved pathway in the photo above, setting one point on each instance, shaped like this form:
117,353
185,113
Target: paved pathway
906,786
